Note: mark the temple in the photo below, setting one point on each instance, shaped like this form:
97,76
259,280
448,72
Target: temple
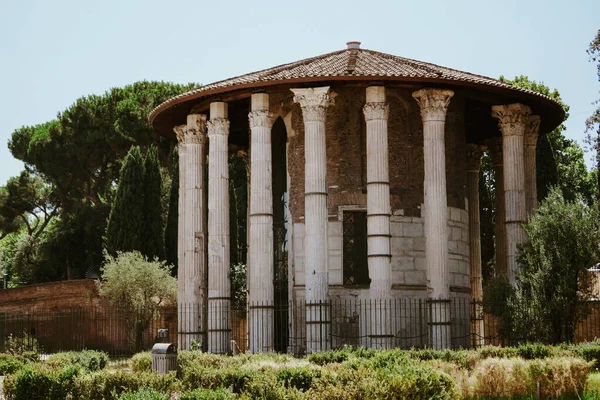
364,169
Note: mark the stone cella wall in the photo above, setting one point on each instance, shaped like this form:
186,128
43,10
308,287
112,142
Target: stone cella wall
408,257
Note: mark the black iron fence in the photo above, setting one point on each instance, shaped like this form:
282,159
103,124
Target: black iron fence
296,327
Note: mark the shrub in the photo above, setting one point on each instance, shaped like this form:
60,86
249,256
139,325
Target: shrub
299,378
329,357
23,345
141,362
497,352
38,382
533,351
107,384
144,394
589,352
91,360
559,377
206,394
11,364
463,358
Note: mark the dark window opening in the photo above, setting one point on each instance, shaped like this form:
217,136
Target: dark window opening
356,268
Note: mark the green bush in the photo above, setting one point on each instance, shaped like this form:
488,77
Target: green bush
105,385
463,358
207,394
10,364
23,345
39,382
589,352
91,360
329,357
558,377
532,351
497,352
141,362
299,378
144,394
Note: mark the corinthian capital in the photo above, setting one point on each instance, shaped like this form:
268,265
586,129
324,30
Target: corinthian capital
532,130
512,118
180,131
218,126
376,111
474,153
314,102
262,119
196,129
433,103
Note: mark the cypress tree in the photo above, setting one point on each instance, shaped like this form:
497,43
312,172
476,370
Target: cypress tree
171,230
126,219
152,235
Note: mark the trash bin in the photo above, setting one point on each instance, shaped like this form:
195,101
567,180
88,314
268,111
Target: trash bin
164,357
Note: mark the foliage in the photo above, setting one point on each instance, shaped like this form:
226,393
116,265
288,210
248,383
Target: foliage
239,292
90,360
105,385
126,221
506,378
39,382
26,201
593,121
171,228
9,364
144,394
153,232
141,362
207,394
563,242
139,286
24,345
78,157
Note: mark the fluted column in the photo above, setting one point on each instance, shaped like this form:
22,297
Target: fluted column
219,287
376,112
314,103
474,153
434,104
513,119
191,296
260,252
495,147
531,136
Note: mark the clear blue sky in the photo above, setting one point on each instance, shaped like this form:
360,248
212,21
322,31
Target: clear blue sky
52,52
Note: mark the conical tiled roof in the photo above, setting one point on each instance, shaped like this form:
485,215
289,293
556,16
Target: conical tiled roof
350,64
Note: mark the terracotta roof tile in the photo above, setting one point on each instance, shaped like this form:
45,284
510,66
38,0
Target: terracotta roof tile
367,63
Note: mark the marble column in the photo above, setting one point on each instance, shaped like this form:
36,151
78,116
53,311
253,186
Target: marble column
314,103
219,287
260,251
434,104
376,112
191,296
513,119
495,147
531,136
474,153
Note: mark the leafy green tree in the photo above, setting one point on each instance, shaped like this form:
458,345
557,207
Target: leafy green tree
152,235
593,121
138,285
171,229
559,161
26,201
563,243
80,154
126,222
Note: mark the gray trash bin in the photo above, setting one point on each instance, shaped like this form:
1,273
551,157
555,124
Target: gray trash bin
164,357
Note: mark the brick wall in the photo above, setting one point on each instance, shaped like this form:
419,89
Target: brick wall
52,295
